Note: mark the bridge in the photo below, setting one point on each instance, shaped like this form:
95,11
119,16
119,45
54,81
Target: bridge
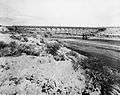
59,30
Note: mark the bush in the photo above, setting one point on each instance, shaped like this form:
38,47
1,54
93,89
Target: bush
59,57
5,52
52,48
25,39
29,50
2,45
13,49
15,37
13,44
10,49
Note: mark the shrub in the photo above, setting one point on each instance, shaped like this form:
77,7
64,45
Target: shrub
59,57
2,45
25,39
15,37
13,44
52,48
29,50
10,49
13,49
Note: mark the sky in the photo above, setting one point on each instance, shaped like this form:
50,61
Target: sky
60,12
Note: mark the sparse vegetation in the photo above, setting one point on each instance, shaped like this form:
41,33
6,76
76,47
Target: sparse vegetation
10,49
2,45
28,49
52,48
100,76
14,49
59,57
15,37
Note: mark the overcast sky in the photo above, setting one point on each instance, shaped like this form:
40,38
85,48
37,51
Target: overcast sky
61,12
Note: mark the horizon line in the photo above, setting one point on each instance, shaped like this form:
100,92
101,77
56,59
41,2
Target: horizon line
62,26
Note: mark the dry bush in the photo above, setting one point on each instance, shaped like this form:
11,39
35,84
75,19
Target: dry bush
20,38
28,49
52,48
25,39
4,49
15,37
2,45
10,49
14,49
59,57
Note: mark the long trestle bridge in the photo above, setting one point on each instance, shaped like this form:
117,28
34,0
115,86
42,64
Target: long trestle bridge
58,31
